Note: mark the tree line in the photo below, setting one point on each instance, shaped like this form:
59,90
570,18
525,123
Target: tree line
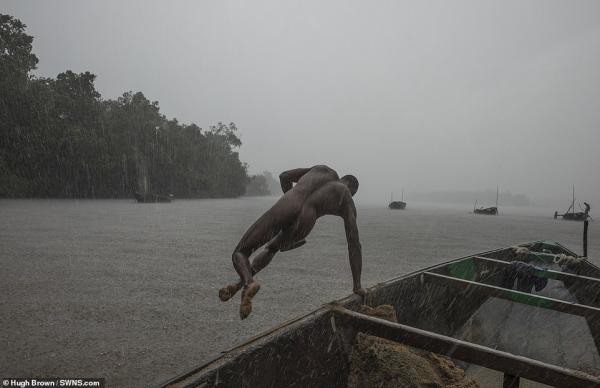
262,184
61,139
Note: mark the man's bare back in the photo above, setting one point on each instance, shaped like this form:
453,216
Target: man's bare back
318,192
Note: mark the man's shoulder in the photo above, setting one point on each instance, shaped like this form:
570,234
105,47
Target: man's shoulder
337,187
324,169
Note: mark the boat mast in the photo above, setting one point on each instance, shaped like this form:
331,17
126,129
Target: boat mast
573,203
402,195
496,196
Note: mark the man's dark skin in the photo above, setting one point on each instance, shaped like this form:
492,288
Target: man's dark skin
318,191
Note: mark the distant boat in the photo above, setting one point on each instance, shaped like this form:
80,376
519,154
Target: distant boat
571,214
152,198
490,211
397,204
578,216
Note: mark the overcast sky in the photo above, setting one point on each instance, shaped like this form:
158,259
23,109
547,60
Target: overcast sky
425,95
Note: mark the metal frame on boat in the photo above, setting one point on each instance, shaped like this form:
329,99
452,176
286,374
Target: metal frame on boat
433,307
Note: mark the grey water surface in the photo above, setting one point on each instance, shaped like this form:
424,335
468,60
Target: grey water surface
127,291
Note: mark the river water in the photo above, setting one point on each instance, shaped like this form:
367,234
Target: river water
127,291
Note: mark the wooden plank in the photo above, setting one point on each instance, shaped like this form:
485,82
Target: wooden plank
515,296
464,351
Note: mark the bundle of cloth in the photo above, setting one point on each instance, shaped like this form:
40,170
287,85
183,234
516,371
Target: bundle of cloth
524,275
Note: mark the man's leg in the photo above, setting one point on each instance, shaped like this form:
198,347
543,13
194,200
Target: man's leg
251,287
262,231
260,261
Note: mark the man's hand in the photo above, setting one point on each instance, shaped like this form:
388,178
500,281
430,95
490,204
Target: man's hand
288,178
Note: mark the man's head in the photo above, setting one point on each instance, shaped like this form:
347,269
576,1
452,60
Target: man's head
351,182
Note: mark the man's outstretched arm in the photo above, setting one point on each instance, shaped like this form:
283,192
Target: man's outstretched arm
289,177
354,247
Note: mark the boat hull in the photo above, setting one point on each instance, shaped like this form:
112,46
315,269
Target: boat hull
490,211
579,216
435,309
151,198
399,205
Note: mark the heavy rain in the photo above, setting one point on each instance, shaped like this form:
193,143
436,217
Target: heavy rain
415,181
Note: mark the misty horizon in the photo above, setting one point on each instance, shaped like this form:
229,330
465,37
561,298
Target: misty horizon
425,97
485,197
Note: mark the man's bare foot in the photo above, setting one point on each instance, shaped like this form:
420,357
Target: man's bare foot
246,306
227,292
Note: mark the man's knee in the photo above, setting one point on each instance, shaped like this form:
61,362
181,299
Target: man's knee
238,256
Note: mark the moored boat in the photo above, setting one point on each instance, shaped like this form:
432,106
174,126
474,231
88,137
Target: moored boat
571,214
397,205
491,211
151,198
401,205
530,312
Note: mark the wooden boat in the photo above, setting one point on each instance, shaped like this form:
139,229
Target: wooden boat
463,309
401,205
397,205
571,214
151,198
490,211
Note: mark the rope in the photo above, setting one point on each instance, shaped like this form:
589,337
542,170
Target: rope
566,261
561,259
521,252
